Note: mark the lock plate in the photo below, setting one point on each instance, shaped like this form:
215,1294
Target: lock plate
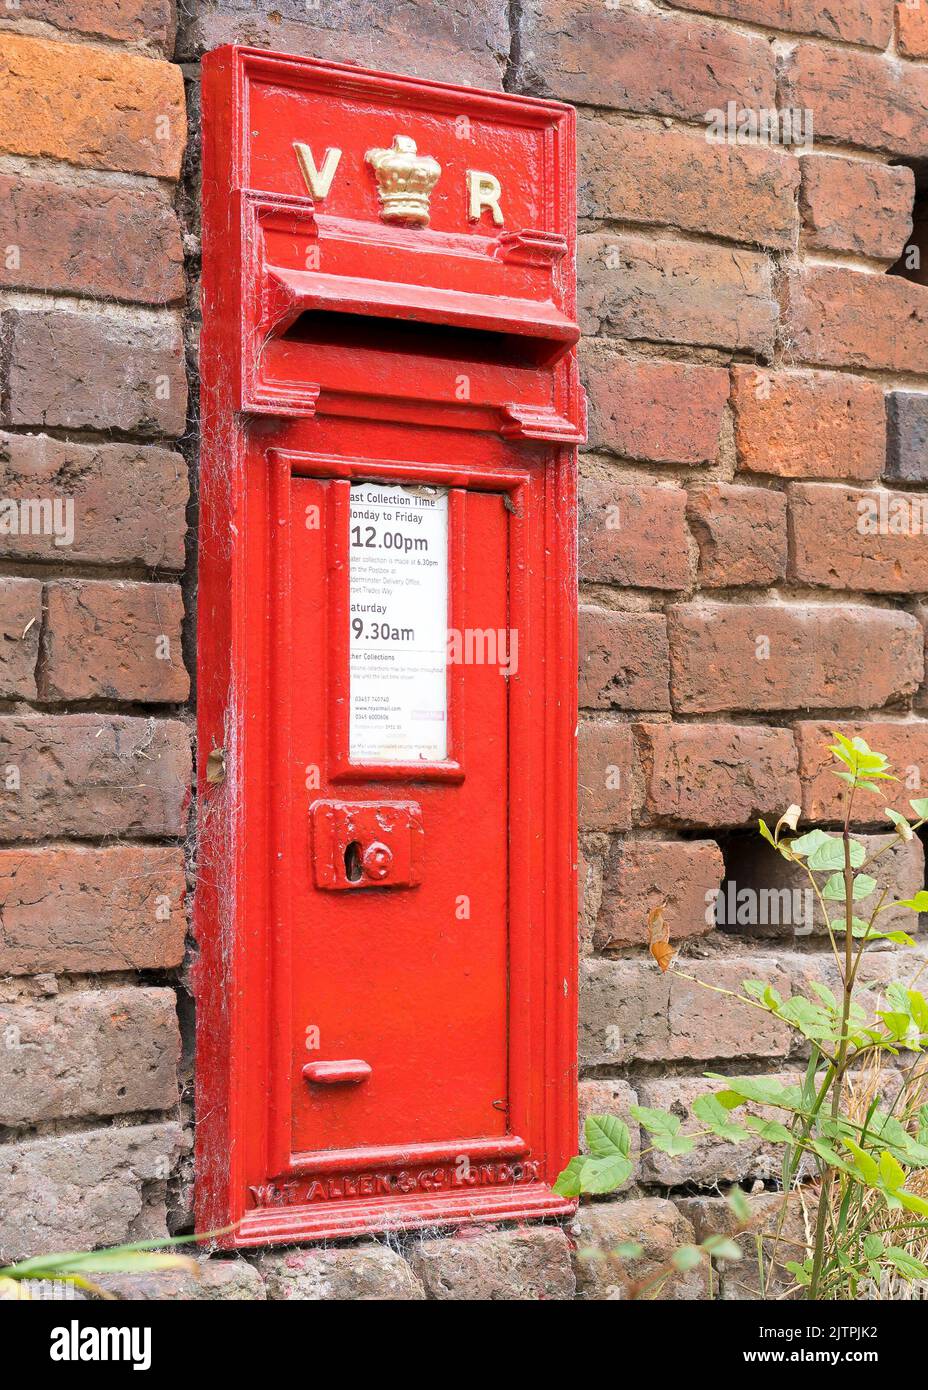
366,844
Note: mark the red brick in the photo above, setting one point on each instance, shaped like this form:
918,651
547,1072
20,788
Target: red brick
715,774
151,22
114,641
912,28
91,106
676,178
855,21
20,627
676,292
863,99
633,535
741,532
114,243
126,502
658,412
94,1052
92,776
907,436
96,371
797,656
678,875
82,910
605,775
844,538
623,660
905,743
847,318
856,206
462,41
808,424
657,1228
921,699
630,1012
619,56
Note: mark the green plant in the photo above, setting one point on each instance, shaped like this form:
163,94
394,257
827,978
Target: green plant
75,1267
871,1209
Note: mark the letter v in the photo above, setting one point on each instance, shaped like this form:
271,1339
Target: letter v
318,181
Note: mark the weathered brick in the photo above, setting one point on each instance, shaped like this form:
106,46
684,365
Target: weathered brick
912,28
99,503
866,22
213,1281
796,656
848,318
765,896
741,533
713,1160
862,99
96,371
676,292
589,892
112,243
623,660
808,424
905,743
125,111
784,1236
20,626
606,1096
630,1012
677,875
151,22
907,436
633,535
492,1266
78,1191
93,775
652,1223
856,206
659,412
451,40
676,178
715,774
850,538
115,641
81,909
368,1271
605,774
619,56
94,1052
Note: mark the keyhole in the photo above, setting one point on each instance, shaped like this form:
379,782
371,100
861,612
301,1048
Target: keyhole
353,861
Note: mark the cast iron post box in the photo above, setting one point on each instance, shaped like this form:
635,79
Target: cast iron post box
386,901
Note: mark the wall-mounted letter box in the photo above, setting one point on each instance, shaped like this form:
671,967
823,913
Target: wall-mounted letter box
386,900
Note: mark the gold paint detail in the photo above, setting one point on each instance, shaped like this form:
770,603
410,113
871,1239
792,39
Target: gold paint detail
318,181
483,191
405,181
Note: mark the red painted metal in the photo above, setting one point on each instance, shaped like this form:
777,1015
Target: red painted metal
338,347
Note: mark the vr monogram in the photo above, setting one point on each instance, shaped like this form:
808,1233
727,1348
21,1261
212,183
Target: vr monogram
405,180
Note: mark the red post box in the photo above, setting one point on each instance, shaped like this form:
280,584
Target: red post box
386,901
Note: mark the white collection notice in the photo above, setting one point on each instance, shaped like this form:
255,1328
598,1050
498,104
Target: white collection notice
398,611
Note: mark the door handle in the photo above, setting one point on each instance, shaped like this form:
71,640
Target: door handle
337,1073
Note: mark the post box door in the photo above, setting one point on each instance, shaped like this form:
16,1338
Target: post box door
399,938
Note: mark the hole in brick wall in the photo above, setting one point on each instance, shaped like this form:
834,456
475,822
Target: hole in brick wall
762,896
913,263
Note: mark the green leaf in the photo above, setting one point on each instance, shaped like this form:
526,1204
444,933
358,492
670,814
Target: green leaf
891,1171
664,1130
833,891
607,1136
912,1202
717,1118
600,1175
629,1250
920,807
908,1266
568,1180
900,822
810,842
765,1090
873,1246
686,1257
802,1273
739,1206
918,904
722,1248
831,855
771,1130
765,832
864,1163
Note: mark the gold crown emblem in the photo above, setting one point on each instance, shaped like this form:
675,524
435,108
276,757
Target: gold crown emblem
405,181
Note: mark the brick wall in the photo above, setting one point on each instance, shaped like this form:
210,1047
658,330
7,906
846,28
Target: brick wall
755,372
